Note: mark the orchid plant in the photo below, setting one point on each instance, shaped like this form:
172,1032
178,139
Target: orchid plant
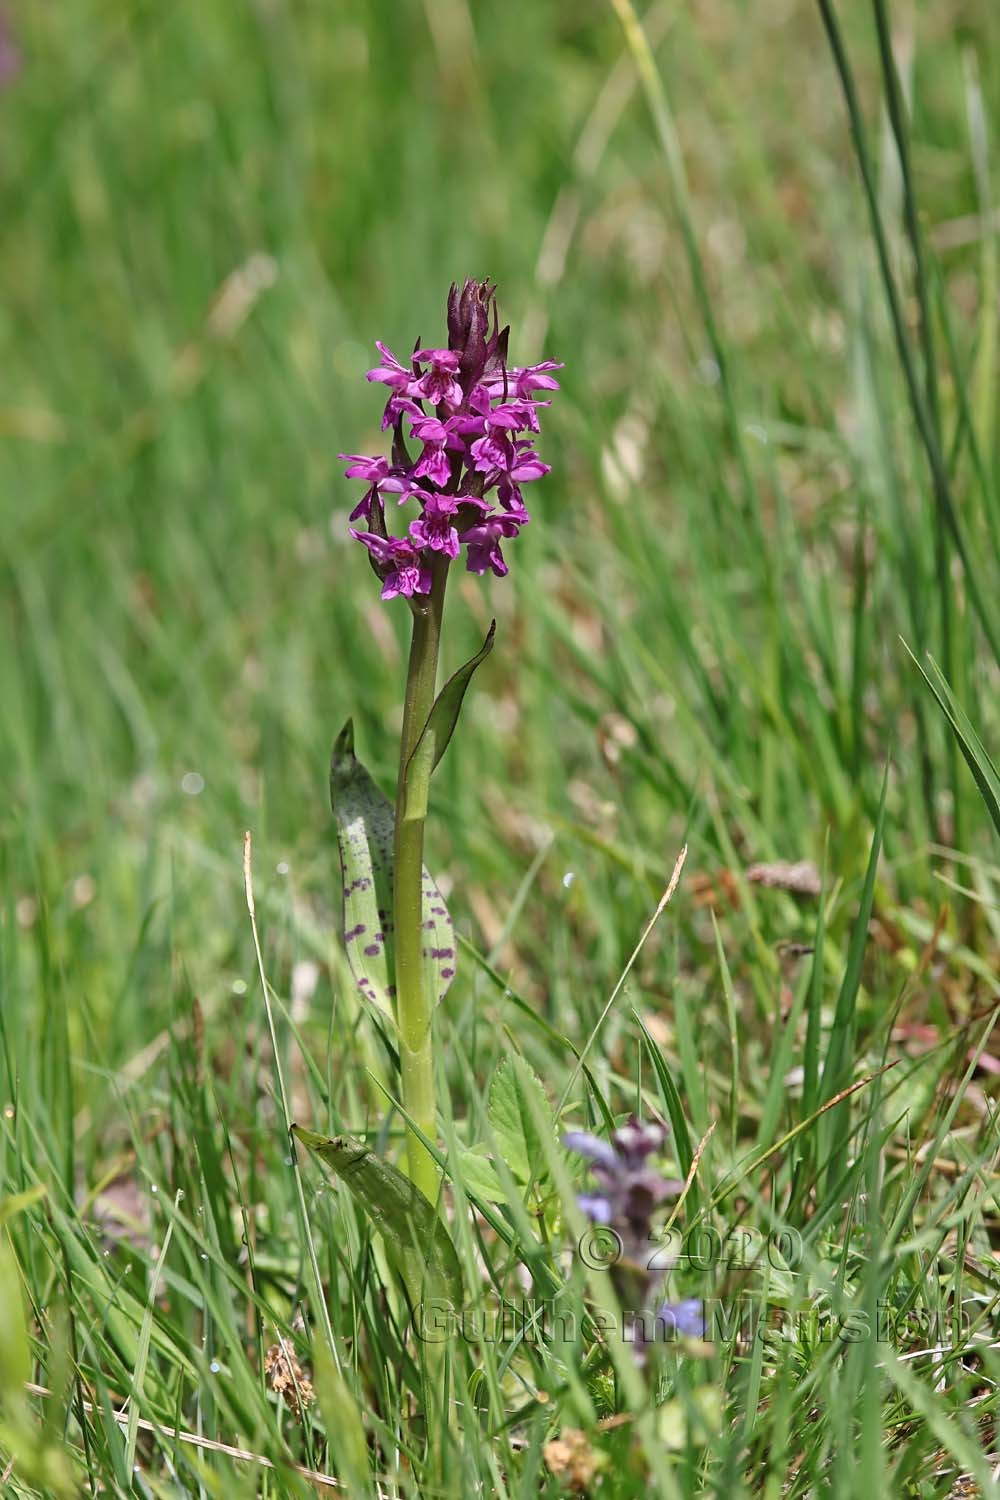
463,421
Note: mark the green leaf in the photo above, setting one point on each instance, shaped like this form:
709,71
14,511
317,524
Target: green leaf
437,732
671,1100
478,1175
837,1066
15,1352
695,1418
416,1240
977,757
514,1121
342,1417
11,1207
365,829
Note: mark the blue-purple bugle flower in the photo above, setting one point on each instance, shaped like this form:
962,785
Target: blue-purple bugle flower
686,1317
475,418
628,1193
664,1324
629,1190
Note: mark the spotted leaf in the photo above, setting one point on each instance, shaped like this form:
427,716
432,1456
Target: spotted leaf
365,824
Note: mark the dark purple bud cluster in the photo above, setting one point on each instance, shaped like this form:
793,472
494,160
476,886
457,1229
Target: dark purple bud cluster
629,1191
475,418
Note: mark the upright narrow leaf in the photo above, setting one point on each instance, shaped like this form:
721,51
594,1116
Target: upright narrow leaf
416,1239
365,826
977,757
840,1047
15,1351
671,1100
438,730
836,1069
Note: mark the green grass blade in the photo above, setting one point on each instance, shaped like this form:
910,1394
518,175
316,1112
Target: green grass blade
977,758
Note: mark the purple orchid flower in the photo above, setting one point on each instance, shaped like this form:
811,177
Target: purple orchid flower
514,458
484,539
439,385
439,439
435,528
514,416
380,475
521,382
398,377
399,564
469,410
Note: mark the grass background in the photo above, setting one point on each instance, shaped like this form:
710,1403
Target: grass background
210,212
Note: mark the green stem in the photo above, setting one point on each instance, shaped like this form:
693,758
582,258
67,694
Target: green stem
414,1005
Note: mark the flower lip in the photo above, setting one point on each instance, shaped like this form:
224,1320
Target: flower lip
435,529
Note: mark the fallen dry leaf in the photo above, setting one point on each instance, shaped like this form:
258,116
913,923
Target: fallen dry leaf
801,877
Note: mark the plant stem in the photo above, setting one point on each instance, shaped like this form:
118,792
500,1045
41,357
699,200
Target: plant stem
414,1005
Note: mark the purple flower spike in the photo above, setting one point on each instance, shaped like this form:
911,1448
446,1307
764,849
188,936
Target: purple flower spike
630,1191
475,418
